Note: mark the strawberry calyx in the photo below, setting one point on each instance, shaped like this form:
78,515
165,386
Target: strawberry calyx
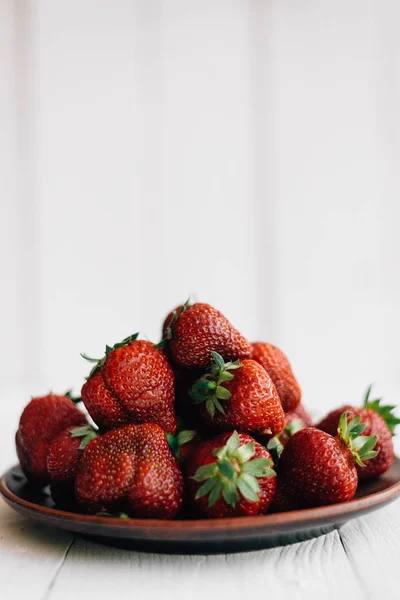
275,447
360,446
178,440
170,332
385,411
74,399
293,427
209,388
99,362
233,472
86,432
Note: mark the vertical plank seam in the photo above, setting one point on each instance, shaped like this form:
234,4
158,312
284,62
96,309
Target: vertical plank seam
28,257
357,574
51,585
264,213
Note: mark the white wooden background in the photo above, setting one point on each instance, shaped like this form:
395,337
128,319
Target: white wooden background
245,151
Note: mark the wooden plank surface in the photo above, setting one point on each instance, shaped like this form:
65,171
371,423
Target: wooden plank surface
357,561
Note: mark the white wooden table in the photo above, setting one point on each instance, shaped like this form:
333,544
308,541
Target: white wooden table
360,560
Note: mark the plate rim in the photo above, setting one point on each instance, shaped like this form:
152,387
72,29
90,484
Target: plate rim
307,516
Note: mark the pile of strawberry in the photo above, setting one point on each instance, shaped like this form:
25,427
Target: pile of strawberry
203,424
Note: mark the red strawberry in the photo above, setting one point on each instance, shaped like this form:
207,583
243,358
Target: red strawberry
295,420
132,470
379,421
278,367
230,475
331,421
63,459
133,383
316,468
41,421
246,399
197,330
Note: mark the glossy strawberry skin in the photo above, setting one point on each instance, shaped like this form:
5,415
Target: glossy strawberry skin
254,405
62,464
375,425
135,385
331,421
41,421
278,367
130,470
203,456
201,329
316,469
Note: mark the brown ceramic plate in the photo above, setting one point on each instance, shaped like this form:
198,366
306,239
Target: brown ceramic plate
200,536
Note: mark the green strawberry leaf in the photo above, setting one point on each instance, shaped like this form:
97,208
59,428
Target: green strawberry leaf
214,494
230,492
205,472
385,411
206,487
208,388
248,486
219,361
226,468
350,434
222,393
233,473
245,452
232,444
185,436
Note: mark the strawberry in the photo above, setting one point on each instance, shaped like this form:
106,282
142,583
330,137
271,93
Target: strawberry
278,368
331,421
379,421
245,399
295,420
197,330
316,468
132,383
230,475
63,459
130,470
41,421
